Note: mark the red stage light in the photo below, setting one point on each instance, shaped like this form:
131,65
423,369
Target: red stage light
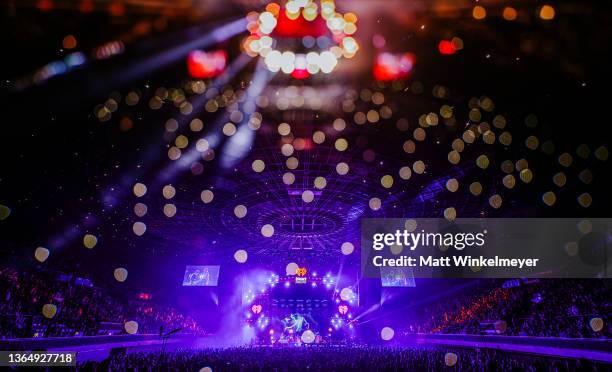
389,66
205,65
300,74
116,9
44,5
446,47
299,27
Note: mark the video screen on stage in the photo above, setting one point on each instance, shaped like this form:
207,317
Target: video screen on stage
397,277
201,276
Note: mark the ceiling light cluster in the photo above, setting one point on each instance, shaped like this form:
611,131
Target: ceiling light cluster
300,65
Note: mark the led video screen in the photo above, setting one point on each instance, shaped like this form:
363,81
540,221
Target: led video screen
397,277
201,276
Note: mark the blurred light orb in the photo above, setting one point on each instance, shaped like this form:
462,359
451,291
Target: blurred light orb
267,230
120,274
292,162
601,153
240,211
229,129
386,181
170,210
41,254
307,196
387,333
258,165
139,228
571,248
495,201
521,164
341,144
284,129
482,162
320,183
585,226
405,173
5,212
475,188
168,191
140,189
450,213
174,153
181,141
49,310
526,175
90,241
308,337
131,327
500,326
140,209
241,256
287,149
410,225
450,359
585,200
418,167
339,124
202,145
291,268
409,147
452,185
547,12
509,14
596,324
206,369
375,204
566,159
318,137
549,198
479,12
342,168
509,181
347,248
288,178
347,294
207,196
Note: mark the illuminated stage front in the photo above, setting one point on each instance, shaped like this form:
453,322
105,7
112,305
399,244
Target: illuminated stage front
302,308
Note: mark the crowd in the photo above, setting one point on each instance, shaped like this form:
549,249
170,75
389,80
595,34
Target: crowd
330,358
81,309
556,308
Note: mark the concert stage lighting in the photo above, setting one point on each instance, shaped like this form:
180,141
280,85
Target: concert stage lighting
305,184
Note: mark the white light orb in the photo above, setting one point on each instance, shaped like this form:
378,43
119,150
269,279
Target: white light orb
347,294
267,230
41,254
240,211
131,327
120,274
307,196
291,268
347,248
241,256
207,196
387,333
308,336
139,228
